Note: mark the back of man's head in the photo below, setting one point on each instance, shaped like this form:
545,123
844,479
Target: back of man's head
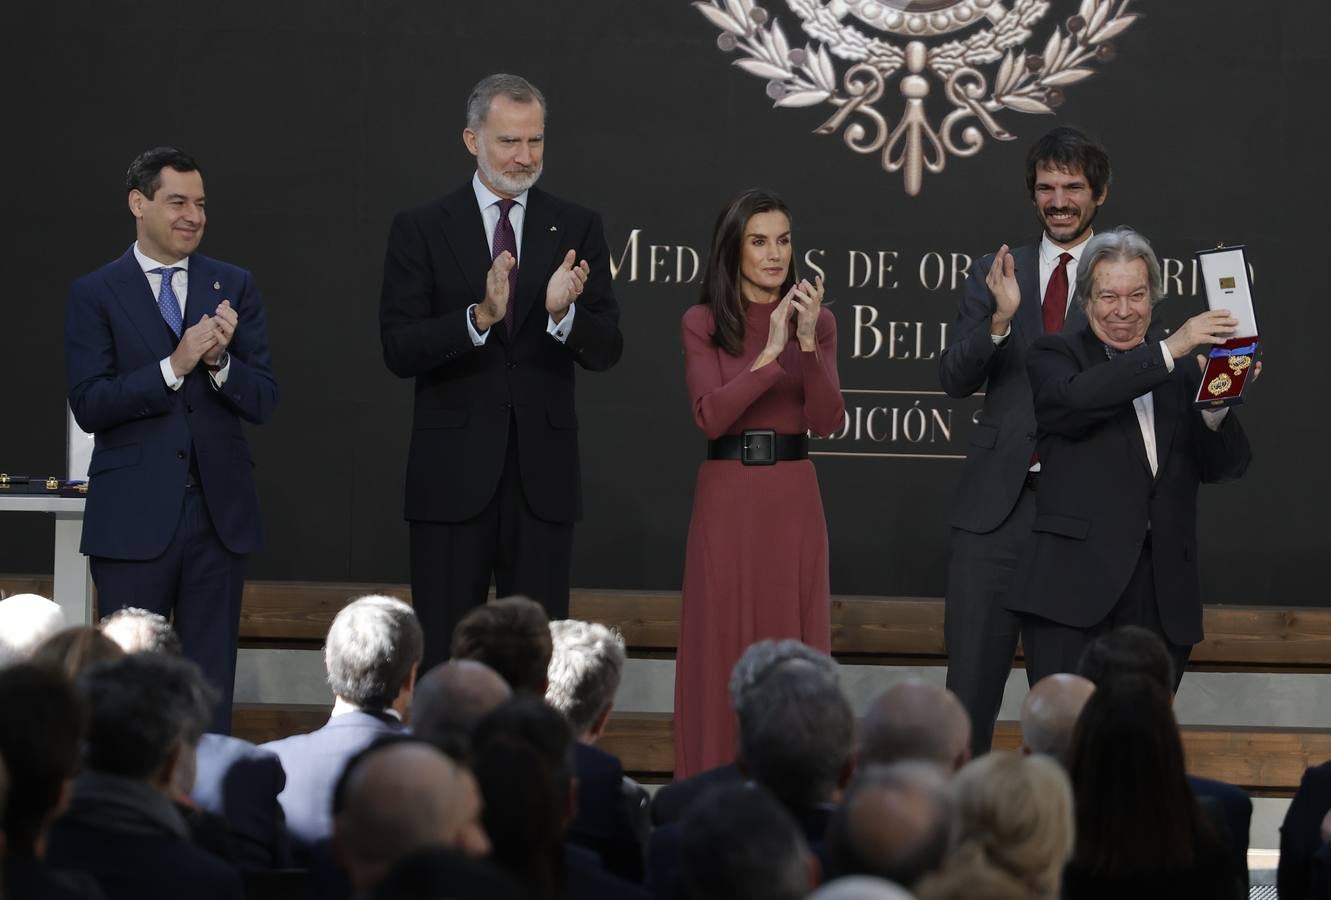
1049,714
860,887
25,621
451,698
511,636
585,672
71,650
762,657
893,824
737,843
139,631
373,647
42,721
797,733
400,796
1130,650
914,719
142,707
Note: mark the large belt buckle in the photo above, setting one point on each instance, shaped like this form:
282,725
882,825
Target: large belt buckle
758,447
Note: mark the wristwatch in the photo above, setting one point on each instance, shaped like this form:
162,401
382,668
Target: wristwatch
220,364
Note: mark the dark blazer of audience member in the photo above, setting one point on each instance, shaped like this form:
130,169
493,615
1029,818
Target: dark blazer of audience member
435,872
511,636
1131,650
672,801
893,824
524,763
739,843
1140,831
122,826
371,654
42,723
1305,839
585,672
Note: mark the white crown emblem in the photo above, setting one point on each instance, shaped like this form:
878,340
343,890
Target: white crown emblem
1024,82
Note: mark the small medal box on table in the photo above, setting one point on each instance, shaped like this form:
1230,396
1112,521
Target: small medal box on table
48,485
1230,365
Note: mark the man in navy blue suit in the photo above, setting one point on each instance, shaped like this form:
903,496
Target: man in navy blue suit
166,353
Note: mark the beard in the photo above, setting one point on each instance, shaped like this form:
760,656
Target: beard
1073,231
508,182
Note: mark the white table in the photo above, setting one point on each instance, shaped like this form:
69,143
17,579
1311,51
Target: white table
73,582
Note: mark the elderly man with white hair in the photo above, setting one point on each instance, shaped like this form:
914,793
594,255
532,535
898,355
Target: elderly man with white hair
585,671
25,621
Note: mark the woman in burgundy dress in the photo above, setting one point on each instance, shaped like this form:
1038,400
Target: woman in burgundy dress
760,363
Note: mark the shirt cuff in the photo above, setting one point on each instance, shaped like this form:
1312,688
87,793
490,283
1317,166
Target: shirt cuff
478,339
219,377
1214,418
169,375
1000,338
561,330
1169,359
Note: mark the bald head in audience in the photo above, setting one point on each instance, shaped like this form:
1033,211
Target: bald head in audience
860,887
914,719
25,621
451,698
398,798
1050,713
893,824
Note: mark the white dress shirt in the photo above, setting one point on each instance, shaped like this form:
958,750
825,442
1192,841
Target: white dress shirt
180,285
1049,254
488,201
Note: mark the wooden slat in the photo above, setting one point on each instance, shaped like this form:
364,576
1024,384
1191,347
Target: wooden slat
874,629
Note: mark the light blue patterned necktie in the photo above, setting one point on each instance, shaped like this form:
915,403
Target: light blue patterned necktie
166,298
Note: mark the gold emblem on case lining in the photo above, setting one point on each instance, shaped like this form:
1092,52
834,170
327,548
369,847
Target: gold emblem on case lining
1220,384
1228,283
1239,363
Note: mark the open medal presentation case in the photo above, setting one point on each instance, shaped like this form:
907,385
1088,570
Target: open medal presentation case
1229,365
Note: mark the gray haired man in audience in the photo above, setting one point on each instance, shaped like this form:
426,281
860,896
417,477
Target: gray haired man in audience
372,651
25,621
914,719
1049,714
893,824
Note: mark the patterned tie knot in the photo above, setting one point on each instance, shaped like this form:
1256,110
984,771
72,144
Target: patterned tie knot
1064,258
167,272
506,204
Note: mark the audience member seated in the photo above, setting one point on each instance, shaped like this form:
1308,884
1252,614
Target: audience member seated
1049,714
450,699
585,671
42,722
860,887
1012,821
511,636
672,801
25,621
893,824
371,654
71,650
437,872
1133,650
233,779
914,719
739,843
1140,830
1305,839
524,763
122,826
399,796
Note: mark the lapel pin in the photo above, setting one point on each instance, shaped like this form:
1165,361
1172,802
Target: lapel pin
553,228
217,285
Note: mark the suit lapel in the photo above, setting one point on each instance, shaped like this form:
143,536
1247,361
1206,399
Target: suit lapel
1026,262
130,287
464,233
200,298
1126,420
541,235
1169,414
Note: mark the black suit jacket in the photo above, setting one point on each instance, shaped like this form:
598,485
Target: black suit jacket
1097,494
130,866
1001,444
1305,862
435,268
672,801
602,822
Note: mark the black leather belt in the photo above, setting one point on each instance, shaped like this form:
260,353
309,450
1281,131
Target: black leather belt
760,447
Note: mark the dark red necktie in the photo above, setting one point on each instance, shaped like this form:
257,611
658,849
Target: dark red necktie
505,239
1056,295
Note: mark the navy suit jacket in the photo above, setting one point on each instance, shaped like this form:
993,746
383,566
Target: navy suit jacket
602,820
313,763
435,268
672,801
1097,494
1003,439
145,433
142,866
240,782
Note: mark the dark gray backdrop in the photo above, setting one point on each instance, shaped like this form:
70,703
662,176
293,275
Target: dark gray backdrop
315,121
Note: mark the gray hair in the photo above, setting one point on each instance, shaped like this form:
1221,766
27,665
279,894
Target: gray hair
1122,244
372,646
585,671
25,621
141,705
796,733
139,631
763,656
501,84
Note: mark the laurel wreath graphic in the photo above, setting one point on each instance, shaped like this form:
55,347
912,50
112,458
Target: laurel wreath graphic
1024,82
